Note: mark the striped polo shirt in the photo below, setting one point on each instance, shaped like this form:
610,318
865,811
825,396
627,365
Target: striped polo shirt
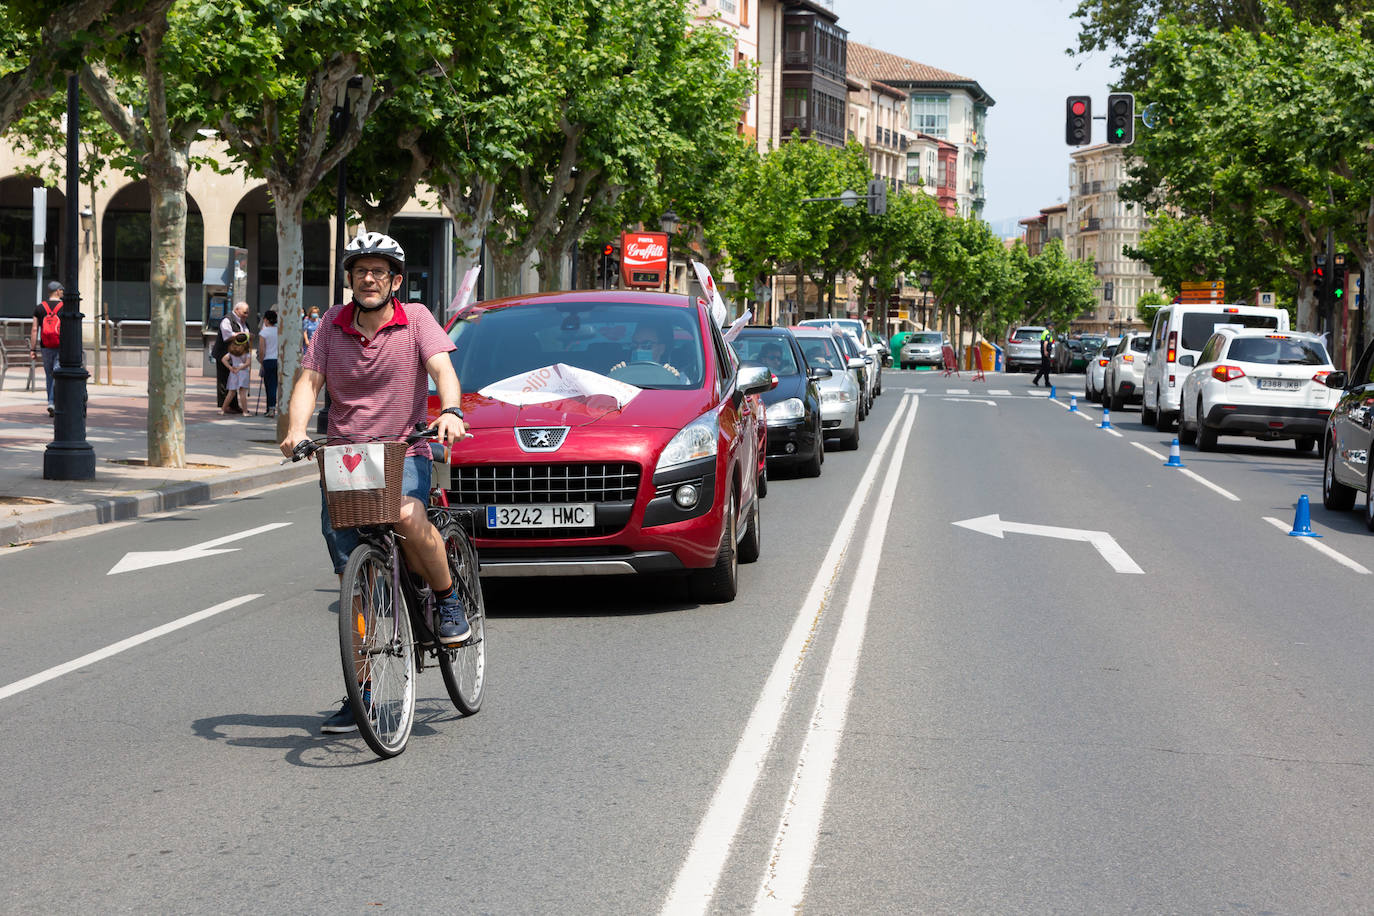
376,387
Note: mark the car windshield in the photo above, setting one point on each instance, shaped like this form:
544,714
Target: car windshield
1199,326
1026,334
924,339
820,353
847,345
774,352
1277,351
1094,343
495,344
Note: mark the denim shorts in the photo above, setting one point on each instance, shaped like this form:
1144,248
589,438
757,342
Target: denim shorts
414,482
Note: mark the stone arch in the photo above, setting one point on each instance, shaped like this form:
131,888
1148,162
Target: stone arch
253,226
126,254
20,286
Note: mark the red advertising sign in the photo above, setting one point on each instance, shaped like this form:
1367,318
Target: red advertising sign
643,259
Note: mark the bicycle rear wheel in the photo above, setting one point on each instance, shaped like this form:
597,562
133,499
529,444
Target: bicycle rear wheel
464,667
377,650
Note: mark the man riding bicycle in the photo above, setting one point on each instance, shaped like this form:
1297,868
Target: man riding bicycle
374,354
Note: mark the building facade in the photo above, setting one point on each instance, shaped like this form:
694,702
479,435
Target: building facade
1099,225
876,121
741,19
1048,225
941,105
802,87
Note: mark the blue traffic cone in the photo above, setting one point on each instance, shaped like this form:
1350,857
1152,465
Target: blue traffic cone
1106,419
1174,460
1302,520
1073,403
1051,392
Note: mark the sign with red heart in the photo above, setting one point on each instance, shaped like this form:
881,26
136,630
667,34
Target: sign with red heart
355,467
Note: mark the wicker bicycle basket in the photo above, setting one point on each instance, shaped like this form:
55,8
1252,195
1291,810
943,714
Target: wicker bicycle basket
357,508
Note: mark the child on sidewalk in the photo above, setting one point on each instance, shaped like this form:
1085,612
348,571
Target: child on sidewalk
239,364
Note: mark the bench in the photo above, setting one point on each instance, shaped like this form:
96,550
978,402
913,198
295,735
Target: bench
16,353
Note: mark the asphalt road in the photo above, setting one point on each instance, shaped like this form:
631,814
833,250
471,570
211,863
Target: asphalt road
898,714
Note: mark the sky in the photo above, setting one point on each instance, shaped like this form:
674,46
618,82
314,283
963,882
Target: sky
1014,49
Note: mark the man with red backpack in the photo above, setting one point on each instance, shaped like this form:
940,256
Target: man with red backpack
46,333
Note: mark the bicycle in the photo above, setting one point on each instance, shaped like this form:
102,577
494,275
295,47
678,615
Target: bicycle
378,646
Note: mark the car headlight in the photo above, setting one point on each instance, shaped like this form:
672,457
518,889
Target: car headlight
835,396
789,409
697,439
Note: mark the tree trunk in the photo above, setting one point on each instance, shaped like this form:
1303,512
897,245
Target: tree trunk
167,334
290,277
469,208
507,272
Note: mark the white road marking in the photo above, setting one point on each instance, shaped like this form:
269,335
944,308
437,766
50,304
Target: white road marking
696,880
999,391
101,654
972,401
1320,547
143,559
1104,543
957,391
1202,480
1149,451
794,844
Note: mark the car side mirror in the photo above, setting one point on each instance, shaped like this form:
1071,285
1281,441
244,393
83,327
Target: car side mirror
857,363
1336,380
754,380
1186,360
820,372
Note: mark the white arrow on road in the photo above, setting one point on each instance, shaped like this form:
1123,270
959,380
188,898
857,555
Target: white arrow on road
143,559
1106,544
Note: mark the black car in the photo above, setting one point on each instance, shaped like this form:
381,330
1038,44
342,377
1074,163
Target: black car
1349,437
793,407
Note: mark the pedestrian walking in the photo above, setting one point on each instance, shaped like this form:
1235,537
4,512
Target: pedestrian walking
1046,351
267,359
309,325
233,324
46,334
239,363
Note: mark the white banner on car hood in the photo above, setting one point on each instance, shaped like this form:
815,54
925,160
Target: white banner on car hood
553,383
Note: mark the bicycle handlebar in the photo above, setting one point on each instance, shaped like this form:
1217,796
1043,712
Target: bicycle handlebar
306,447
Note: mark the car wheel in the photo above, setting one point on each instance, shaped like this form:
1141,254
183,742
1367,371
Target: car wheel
1117,402
1164,421
1147,416
720,583
1187,435
1336,496
752,543
851,441
1206,438
1305,444
812,466
1368,501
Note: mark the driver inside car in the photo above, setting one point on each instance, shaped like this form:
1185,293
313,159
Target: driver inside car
649,345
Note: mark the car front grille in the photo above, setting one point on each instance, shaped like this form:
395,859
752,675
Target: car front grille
514,484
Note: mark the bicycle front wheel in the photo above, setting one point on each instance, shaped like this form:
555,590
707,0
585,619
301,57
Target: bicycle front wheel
378,651
464,667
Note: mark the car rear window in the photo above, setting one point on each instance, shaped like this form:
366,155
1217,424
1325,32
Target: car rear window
1199,326
924,338
1277,351
1141,344
773,352
494,344
1024,334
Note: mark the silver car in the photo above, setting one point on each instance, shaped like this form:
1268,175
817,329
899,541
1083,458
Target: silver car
923,348
1122,383
1096,372
868,346
1023,348
841,395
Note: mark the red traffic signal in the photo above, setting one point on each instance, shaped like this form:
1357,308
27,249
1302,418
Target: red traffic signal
1078,120
608,251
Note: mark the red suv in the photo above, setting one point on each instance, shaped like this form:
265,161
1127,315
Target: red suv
658,475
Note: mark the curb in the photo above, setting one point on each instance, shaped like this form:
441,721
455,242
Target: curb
136,503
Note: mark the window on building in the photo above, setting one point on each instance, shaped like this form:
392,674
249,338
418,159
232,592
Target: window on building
16,243
930,114
794,103
728,6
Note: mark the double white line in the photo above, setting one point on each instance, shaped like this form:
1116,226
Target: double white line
793,848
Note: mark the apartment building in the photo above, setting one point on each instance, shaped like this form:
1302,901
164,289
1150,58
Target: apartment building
741,19
1049,224
943,106
802,87
876,121
1099,225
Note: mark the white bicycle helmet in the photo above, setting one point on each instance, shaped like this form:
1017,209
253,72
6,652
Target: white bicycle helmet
375,244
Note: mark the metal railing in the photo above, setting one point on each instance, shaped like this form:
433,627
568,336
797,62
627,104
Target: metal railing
127,332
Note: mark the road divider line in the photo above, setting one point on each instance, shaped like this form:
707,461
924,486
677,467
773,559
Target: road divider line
1191,474
91,658
794,844
700,872
1319,547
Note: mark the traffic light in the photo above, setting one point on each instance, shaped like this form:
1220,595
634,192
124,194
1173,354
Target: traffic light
1078,120
612,256
877,197
1319,279
1120,118
1338,275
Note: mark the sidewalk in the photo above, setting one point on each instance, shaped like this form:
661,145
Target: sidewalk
224,455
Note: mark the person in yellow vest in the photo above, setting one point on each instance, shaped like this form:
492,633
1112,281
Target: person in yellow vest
1046,350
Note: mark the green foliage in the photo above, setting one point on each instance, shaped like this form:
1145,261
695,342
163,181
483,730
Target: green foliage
1148,305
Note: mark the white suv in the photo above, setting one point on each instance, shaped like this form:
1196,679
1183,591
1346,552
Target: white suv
1261,384
1183,330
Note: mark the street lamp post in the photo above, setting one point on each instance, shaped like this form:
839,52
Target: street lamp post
69,456
669,223
924,279
342,110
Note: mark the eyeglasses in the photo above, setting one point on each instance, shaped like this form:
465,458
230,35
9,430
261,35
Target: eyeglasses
362,273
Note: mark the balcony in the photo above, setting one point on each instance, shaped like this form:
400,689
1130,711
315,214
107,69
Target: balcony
1093,224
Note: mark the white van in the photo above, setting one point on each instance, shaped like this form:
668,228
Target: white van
1186,328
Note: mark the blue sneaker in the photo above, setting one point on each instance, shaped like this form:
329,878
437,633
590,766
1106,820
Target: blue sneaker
342,722
453,622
